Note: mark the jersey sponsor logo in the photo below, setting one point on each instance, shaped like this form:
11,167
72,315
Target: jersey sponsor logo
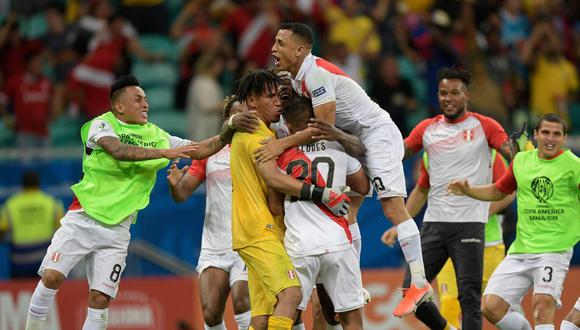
319,91
468,134
542,188
270,226
55,257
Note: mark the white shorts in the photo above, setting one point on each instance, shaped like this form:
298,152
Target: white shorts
229,261
384,160
577,304
340,274
514,276
103,246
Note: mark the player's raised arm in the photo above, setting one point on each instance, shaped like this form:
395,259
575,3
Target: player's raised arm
181,183
125,152
322,130
334,198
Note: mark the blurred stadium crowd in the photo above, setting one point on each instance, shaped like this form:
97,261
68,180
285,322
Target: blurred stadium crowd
58,58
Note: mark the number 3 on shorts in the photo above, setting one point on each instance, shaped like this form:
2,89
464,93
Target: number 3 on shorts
549,271
116,273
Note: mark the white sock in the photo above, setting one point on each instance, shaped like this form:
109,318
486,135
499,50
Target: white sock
410,242
243,320
221,326
567,325
513,321
40,303
356,238
96,319
544,327
299,327
333,327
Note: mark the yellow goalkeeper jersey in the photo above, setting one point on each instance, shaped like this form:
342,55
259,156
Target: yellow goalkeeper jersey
251,217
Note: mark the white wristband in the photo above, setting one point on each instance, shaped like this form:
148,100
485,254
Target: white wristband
231,121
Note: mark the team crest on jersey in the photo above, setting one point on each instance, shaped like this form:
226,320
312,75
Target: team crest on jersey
468,134
55,257
542,188
319,91
291,274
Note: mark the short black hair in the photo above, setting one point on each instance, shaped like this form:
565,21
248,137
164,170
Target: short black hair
301,30
30,179
255,83
552,118
122,82
298,111
454,73
228,104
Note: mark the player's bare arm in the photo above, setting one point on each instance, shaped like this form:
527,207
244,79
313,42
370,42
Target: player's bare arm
408,152
326,112
322,130
245,121
416,200
487,192
208,147
125,152
273,148
334,198
181,184
496,207
358,182
275,202
509,149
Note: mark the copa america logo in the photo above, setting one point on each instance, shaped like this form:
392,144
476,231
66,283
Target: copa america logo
542,188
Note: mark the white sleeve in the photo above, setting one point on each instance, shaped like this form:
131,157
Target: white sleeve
320,86
353,165
99,128
175,142
280,128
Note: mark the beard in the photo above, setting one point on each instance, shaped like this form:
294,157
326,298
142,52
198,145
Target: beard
453,117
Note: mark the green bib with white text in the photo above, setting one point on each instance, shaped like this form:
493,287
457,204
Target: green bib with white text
111,190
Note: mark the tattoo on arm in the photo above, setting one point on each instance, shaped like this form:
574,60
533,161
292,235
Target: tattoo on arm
208,148
125,152
508,149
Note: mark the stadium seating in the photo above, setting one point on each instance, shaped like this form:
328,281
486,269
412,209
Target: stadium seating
65,131
160,44
36,26
155,74
6,136
160,98
171,121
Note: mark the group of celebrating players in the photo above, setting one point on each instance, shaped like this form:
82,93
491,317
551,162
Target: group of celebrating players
299,149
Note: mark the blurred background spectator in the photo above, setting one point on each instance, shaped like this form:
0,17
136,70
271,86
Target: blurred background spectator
27,221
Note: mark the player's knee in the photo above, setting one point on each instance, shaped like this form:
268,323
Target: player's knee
241,305
52,279
99,300
211,318
290,296
492,309
260,322
544,308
